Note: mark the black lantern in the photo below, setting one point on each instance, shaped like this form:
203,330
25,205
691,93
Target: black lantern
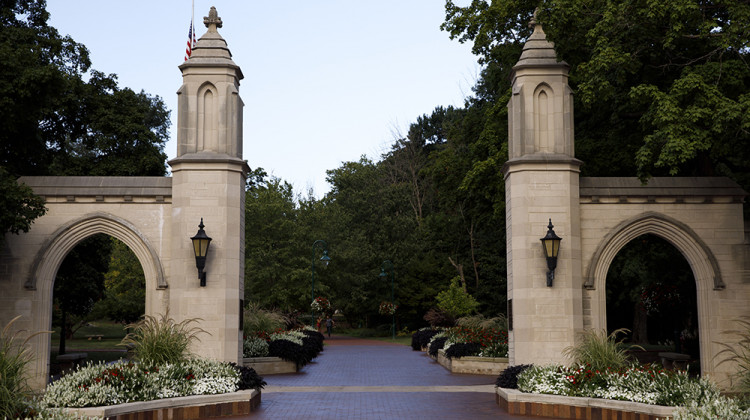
201,241
325,259
551,245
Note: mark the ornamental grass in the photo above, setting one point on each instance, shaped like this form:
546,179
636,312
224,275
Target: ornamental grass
257,320
15,392
161,340
599,350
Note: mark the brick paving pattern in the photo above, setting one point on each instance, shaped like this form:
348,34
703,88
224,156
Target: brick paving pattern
369,379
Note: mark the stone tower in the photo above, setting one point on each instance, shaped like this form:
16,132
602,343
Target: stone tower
541,181
208,183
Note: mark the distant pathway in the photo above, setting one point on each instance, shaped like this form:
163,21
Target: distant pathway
369,379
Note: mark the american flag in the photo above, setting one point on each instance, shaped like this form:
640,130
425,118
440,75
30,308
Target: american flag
191,42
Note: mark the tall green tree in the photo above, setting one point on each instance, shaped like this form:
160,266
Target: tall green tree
274,257
124,294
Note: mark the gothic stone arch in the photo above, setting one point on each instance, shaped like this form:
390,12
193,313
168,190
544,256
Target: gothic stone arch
133,210
701,217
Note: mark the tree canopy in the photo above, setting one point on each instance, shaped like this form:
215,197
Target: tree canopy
61,117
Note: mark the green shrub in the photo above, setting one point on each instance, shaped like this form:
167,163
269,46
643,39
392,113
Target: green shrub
455,301
254,347
15,393
599,350
158,341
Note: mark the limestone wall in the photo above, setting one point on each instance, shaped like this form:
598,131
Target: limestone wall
702,217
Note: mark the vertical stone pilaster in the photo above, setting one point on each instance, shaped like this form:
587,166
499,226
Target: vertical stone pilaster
541,178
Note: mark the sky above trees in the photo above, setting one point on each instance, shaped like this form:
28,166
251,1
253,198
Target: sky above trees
325,82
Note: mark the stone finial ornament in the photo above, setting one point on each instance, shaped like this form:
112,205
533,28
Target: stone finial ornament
212,21
532,22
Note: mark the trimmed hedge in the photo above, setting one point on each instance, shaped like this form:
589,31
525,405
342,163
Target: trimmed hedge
509,377
249,378
312,345
436,345
458,350
420,339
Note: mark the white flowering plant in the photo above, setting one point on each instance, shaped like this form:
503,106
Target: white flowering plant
649,385
254,347
124,381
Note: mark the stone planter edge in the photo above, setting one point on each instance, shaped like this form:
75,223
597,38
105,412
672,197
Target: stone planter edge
270,365
191,403
495,365
546,405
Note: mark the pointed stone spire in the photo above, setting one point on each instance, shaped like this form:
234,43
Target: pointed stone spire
209,108
211,48
537,50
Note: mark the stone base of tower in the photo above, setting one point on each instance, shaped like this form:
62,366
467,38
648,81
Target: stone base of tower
545,319
209,186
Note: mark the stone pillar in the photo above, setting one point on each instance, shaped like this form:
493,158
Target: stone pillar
208,182
541,181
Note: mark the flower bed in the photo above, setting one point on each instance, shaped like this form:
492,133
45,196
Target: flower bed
298,347
578,408
125,382
464,341
592,392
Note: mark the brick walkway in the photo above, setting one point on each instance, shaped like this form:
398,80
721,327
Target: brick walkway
369,379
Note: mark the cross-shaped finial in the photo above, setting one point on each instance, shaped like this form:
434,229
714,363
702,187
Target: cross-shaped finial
212,21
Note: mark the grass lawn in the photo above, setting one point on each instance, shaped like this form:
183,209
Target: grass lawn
86,338
373,334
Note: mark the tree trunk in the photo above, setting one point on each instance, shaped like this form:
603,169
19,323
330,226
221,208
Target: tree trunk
63,332
640,324
460,269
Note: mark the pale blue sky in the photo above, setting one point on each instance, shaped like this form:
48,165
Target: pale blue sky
326,81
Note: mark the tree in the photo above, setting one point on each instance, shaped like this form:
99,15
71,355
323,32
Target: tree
124,286
274,256
79,284
18,205
55,123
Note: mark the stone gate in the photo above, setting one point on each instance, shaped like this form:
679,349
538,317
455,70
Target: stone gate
154,216
596,217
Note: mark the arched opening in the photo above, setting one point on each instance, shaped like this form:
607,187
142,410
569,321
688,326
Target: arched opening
699,256
50,257
651,291
99,288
